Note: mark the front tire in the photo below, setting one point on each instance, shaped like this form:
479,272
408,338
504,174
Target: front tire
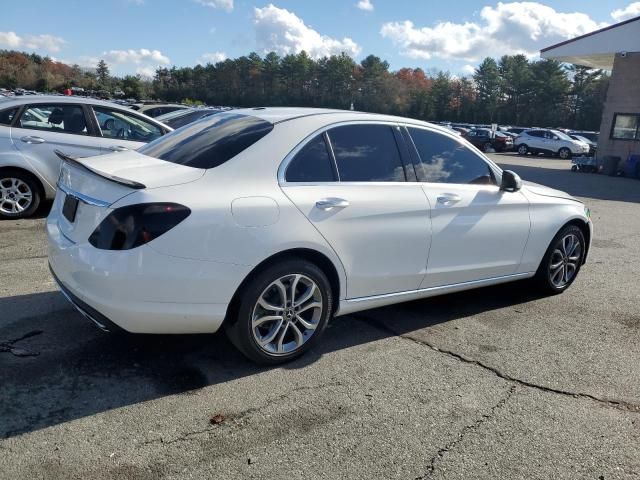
523,149
282,312
562,260
20,194
564,153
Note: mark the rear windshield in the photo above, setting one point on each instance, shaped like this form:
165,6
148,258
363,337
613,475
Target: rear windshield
209,142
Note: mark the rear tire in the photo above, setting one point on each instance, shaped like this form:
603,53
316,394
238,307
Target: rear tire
487,147
20,194
272,325
523,149
562,261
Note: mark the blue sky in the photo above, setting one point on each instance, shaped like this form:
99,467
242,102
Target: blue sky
136,36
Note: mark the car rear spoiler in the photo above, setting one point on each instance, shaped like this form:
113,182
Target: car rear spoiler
121,181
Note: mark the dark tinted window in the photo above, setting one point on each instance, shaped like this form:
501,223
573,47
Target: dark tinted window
366,153
188,117
445,160
312,163
6,116
535,133
209,142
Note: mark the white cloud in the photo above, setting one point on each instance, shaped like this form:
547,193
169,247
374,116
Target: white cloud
214,57
507,28
226,5
468,69
632,10
365,5
282,31
146,72
49,43
136,56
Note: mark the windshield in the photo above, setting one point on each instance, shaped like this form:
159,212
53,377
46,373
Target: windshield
176,113
561,135
209,142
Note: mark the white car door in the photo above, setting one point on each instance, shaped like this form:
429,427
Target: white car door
121,130
350,183
43,128
478,231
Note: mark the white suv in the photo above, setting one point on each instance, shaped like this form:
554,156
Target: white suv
32,128
550,142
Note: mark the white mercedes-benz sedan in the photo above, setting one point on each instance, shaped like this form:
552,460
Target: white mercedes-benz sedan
269,221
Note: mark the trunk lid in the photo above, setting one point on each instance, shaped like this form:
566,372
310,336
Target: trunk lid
89,186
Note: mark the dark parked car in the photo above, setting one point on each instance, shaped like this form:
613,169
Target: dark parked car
180,118
593,136
483,139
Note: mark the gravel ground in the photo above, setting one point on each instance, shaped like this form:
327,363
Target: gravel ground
492,383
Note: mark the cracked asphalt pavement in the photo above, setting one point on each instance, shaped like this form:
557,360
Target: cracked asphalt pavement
492,383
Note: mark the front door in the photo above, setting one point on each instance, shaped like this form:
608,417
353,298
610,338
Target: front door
123,130
376,222
478,231
43,128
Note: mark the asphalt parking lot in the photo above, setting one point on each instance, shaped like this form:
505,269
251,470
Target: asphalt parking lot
492,383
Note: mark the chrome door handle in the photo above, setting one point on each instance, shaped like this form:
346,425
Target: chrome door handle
32,140
447,199
117,148
329,203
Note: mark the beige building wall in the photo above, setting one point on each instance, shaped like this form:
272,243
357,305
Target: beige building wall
623,96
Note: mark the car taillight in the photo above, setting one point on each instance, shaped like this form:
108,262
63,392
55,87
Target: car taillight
134,225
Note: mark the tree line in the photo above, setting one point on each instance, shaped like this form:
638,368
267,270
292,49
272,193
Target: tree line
511,91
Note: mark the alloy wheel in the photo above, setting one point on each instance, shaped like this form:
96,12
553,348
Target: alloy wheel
286,314
565,259
15,195
564,153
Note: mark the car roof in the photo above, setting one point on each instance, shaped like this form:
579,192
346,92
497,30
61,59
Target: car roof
284,114
22,100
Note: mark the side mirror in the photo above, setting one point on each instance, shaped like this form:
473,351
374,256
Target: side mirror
511,181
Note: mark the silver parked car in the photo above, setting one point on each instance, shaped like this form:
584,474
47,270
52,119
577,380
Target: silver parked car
32,128
549,142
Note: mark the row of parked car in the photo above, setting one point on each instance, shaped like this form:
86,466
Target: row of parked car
547,141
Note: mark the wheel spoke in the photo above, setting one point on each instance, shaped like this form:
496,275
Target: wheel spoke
264,341
307,295
305,324
267,318
294,286
283,332
283,291
268,306
558,273
309,306
299,338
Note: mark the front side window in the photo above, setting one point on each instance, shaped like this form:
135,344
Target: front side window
6,116
56,118
366,153
312,163
209,142
626,127
119,125
445,160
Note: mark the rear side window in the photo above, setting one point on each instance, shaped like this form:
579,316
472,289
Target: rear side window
445,160
366,153
59,118
209,142
535,133
6,116
312,163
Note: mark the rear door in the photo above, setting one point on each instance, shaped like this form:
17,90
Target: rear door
44,127
478,231
351,184
121,130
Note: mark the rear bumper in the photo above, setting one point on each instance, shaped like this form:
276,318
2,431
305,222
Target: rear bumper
140,290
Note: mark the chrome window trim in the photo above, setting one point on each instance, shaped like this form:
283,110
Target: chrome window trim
82,197
282,169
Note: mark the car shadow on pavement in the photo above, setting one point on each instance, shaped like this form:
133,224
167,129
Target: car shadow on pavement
55,366
586,185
